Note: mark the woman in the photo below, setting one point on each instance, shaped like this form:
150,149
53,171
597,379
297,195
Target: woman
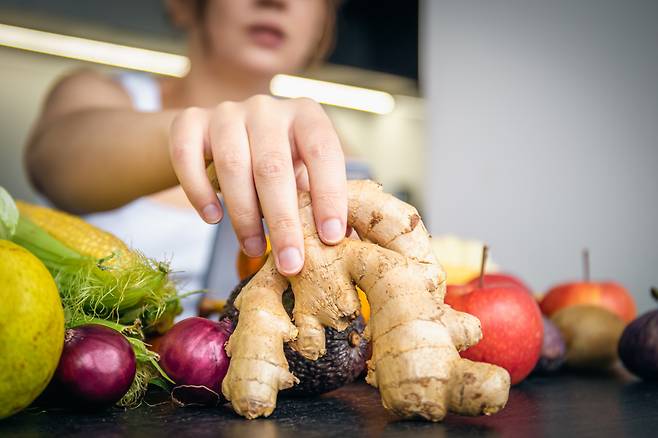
102,143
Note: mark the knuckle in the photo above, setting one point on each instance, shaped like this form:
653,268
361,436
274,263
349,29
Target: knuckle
260,100
272,165
232,162
190,113
246,217
306,102
283,224
225,108
323,150
178,153
330,198
183,119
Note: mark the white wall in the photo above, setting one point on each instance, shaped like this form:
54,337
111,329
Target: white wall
543,133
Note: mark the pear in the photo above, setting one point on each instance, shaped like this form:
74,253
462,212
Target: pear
31,328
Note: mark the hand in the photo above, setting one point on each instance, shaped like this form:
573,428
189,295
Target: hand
264,150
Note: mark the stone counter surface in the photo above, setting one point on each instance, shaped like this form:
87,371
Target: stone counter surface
584,405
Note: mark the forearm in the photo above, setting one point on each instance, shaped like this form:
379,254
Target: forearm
98,159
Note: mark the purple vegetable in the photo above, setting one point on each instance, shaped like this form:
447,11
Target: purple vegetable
192,354
96,368
638,345
553,349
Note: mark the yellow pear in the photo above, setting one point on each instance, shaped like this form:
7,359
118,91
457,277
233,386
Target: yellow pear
31,327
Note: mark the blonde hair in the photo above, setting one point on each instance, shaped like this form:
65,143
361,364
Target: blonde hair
328,39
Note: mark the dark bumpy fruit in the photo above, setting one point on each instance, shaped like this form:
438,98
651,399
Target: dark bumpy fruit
638,346
344,361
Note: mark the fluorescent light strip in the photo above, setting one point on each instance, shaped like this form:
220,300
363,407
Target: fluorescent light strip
169,64
331,93
93,51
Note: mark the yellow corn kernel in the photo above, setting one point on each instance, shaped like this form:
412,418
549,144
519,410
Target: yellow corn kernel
77,234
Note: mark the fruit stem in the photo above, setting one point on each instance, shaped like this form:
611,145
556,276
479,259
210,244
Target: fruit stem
586,265
354,339
485,255
654,293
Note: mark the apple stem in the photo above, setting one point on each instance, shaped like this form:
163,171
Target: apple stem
586,265
485,255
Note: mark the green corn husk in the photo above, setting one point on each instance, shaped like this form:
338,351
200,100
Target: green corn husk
133,300
90,287
8,215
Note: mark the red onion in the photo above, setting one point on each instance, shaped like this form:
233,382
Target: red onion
192,354
553,350
97,366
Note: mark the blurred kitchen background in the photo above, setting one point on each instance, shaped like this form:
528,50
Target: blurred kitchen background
529,124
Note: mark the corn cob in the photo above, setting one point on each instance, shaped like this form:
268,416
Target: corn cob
79,235
126,286
100,280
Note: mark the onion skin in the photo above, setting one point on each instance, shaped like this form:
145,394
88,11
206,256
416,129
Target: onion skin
553,350
96,368
638,346
192,354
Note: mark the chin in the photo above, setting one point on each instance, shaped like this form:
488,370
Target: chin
263,62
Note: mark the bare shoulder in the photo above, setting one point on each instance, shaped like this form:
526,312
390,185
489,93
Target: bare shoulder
84,89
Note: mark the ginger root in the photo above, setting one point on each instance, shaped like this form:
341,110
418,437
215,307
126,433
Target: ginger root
415,336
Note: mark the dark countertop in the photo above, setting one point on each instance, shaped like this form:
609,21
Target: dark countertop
596,405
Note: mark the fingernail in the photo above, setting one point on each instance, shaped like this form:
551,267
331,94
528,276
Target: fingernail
211,213
254,246
290,260
333,230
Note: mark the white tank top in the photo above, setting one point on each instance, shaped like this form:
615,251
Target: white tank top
158,230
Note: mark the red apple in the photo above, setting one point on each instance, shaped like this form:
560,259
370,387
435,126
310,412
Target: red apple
511,322
499,279
609,295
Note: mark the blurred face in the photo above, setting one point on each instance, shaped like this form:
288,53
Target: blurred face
262,36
